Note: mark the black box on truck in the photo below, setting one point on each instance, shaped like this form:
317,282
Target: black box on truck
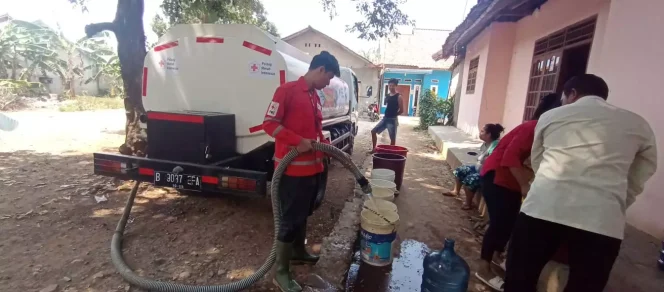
191,136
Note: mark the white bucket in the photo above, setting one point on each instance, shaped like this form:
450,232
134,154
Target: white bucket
382,205
383,189
378,236
384,174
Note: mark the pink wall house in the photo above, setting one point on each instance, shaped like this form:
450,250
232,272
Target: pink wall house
527,49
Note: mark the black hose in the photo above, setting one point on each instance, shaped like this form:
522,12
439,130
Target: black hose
154,285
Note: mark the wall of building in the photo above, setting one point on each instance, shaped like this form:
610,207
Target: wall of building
629,63
470,104
501,44
551,17
438,81
455,88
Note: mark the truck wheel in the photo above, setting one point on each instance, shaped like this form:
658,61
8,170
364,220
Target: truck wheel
322,185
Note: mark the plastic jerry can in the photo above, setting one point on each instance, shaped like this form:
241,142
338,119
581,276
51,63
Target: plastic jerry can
445,271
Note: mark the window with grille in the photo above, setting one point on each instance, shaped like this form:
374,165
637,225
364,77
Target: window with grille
545,70
472,75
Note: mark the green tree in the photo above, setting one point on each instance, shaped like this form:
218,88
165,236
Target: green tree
110,69
213,11
24,43
372,54
380,18
159,26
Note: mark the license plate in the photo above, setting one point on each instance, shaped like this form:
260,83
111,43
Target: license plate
177,181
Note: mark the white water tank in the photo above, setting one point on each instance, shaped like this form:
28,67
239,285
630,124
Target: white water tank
230,68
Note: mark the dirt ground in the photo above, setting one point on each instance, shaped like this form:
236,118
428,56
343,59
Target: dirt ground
57,218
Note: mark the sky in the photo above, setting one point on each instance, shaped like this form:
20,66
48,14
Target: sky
439,14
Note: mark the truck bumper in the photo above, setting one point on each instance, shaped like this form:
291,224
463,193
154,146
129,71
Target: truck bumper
182,175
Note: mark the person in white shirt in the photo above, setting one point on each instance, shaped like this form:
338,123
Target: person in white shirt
591,159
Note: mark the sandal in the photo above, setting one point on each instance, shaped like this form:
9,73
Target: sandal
467,207
502,264
496,283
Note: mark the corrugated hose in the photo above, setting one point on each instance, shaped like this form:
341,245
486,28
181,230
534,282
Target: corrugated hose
154,285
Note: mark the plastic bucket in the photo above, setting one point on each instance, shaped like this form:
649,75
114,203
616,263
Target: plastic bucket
393,149
378,236
384,174
394,162
382,205
383,189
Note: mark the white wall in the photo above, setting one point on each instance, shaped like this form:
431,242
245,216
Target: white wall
470,103
551,17
630,63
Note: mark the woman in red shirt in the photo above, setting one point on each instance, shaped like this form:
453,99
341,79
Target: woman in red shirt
504,181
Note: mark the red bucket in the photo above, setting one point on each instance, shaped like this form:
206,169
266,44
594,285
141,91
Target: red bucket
395,162
392,149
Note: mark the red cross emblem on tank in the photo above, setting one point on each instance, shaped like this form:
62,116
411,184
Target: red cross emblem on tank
161,63
254,67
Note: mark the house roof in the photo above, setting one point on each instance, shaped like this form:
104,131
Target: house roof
480,16
413,49
313,30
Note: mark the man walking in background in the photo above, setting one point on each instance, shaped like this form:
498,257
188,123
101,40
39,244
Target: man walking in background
591,159
390,119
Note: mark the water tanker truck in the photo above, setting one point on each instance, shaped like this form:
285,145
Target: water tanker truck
206,88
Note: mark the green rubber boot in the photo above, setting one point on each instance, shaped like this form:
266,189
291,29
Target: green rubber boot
282,277
300,254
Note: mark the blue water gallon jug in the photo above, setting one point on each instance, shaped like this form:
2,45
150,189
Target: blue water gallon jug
445,271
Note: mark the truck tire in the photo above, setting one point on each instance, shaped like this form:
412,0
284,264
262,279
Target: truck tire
322,186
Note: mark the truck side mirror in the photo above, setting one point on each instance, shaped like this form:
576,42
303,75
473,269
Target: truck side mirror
369,91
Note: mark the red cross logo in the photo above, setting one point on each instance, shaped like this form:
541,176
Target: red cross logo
254,67
161,63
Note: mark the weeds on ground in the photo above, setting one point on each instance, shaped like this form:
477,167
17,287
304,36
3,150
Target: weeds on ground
90,103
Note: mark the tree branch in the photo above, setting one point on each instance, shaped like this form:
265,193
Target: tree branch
95,28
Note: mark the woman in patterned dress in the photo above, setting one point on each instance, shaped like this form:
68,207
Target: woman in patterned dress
468,176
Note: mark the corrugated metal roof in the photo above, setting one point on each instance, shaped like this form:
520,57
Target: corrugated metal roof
415,49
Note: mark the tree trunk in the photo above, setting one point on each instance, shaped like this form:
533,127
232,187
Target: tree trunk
15,59
128,29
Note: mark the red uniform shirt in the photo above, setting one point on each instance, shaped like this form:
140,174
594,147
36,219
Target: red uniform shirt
512,151
295,113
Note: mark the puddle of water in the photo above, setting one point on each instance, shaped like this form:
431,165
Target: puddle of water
405,273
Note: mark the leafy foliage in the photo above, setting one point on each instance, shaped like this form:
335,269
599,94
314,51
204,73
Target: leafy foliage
111,70
380,18
213,11
372,54
30,47
432,109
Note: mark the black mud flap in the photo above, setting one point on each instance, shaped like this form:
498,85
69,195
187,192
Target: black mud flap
322,185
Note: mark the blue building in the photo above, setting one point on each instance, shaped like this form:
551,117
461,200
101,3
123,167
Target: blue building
408,58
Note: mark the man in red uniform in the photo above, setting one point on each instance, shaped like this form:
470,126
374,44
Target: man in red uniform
294,118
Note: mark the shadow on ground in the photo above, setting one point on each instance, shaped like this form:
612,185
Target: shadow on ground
57,219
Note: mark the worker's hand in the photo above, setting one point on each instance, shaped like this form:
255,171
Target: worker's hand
524,190
304,146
